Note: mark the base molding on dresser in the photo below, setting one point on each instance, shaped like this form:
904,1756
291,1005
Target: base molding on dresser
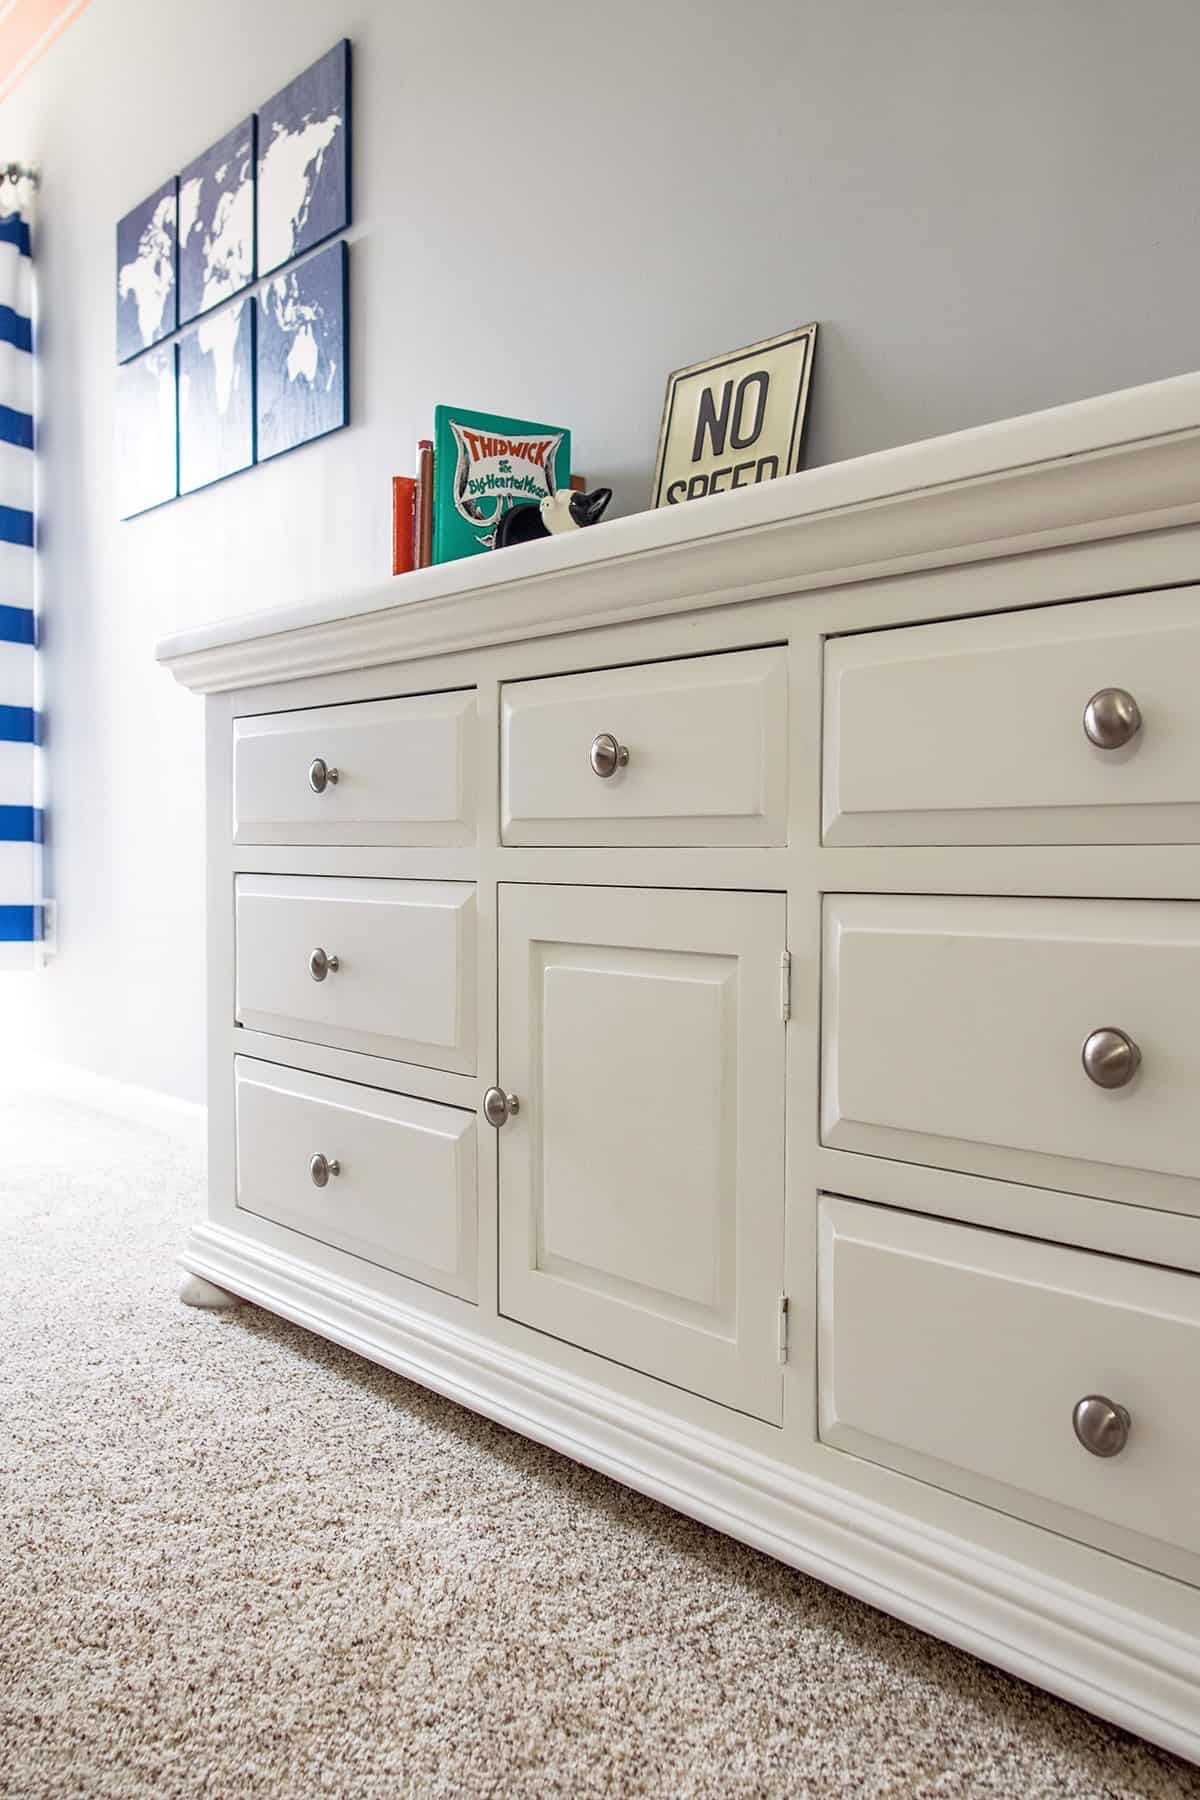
1119,1663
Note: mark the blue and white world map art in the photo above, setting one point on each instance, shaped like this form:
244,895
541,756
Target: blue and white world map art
145,446
216,399
146,272
304,161
216,223
302,339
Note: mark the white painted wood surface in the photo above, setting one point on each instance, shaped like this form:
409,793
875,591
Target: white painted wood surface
971,732
954,1028
641,1183
404,985
980,1346
1098,469
1000,531
706,740
404,1193
405,773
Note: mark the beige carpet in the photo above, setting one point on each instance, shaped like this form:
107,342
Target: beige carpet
237,1561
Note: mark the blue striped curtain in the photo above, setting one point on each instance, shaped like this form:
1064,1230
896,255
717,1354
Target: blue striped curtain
21,908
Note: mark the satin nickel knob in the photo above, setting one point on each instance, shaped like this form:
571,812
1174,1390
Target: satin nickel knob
1101,1426
322,1167
320,965
1111,718
607,756
320,775
1110,1057
499,1107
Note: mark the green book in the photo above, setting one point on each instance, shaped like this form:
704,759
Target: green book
484,463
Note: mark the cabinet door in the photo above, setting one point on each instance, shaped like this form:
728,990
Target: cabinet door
642,1179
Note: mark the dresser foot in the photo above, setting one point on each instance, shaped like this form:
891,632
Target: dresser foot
195,1291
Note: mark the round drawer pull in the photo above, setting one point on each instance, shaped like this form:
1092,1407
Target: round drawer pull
320,775
322,1167
1112,718
607,756
1110,1057
499,1107
320,964
1101,1426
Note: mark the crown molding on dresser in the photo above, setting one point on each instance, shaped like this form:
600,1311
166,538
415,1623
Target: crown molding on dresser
1097,469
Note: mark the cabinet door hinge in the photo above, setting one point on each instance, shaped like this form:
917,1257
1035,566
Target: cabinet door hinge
783,1328
785,985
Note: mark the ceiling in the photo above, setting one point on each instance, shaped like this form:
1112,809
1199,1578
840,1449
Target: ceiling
27,30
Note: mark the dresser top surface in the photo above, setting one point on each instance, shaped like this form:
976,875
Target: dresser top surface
1106,466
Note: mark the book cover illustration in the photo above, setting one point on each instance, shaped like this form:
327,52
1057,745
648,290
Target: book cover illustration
483,464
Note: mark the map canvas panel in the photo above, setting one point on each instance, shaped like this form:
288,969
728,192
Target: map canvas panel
216,223
146,432
303,332
304,161
216,397
146,245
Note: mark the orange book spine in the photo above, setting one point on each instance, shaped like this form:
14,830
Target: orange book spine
403,500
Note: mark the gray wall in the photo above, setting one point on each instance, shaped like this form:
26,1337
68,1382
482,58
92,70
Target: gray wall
991,207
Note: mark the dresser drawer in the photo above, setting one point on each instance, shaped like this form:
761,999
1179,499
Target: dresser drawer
960,1356
385,967
954,1031
973,732
404,1191
381,772
707,754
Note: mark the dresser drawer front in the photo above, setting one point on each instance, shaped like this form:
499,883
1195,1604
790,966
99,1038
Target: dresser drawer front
973,732
959,1356
404,981
405,773
707,744
954,1030
404,1194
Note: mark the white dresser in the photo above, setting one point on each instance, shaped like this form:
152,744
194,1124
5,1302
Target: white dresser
720,994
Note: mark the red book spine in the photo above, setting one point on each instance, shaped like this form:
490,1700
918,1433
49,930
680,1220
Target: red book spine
403,507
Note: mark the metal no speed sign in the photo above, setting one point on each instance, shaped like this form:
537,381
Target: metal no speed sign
735,419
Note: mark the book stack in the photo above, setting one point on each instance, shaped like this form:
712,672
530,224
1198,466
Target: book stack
469,473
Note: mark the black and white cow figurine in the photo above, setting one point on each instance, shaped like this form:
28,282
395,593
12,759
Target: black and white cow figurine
560,512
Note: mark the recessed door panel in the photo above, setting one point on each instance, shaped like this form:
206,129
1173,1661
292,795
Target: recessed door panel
643,1220
641,1180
